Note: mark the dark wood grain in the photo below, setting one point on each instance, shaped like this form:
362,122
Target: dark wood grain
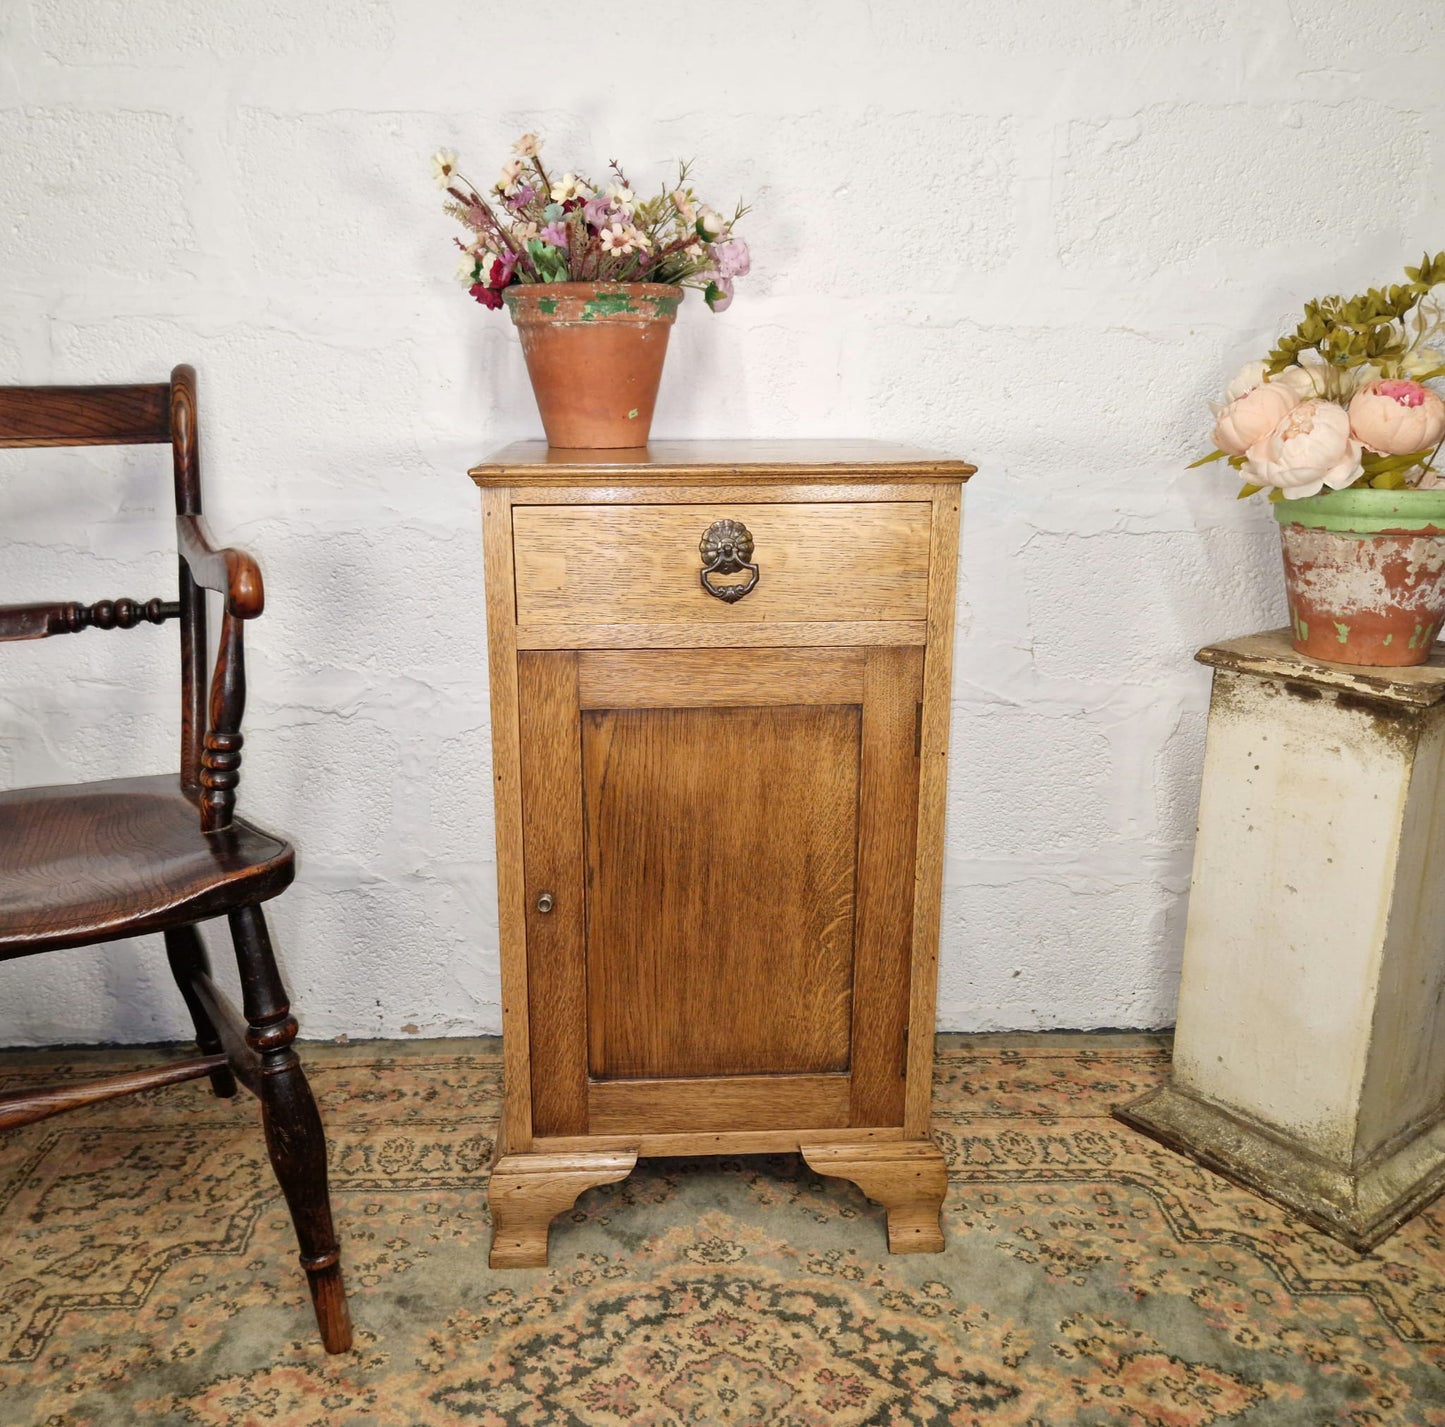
25,1106
294,1137
39,621
85,415
720,867
93,862
89,862
191,967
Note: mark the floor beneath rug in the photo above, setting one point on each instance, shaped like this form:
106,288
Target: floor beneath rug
147,1271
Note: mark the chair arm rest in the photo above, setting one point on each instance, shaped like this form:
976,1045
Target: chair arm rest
229,572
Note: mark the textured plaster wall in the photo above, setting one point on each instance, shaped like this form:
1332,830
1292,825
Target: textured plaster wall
1039,235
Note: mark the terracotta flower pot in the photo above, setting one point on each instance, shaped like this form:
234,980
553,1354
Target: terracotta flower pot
594,353
1365,574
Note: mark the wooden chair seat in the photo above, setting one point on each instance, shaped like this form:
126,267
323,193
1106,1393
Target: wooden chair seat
89,862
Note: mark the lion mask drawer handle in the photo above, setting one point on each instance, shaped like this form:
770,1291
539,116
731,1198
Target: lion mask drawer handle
726,547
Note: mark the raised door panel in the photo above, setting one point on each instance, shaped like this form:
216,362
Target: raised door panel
721,847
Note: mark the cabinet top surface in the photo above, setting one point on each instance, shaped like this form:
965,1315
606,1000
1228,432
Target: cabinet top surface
720,463
1272,656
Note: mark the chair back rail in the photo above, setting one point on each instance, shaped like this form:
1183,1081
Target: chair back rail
86,415
211,701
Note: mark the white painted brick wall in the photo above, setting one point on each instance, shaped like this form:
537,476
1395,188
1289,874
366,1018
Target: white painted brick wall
1039,235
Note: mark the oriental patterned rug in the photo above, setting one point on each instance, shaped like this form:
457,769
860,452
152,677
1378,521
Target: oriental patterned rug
147,1272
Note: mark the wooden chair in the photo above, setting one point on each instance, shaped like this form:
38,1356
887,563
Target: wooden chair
97,861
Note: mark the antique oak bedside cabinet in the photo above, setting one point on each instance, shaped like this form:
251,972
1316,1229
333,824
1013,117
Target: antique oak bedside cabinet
720,698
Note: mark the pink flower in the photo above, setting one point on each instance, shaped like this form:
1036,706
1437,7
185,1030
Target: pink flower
1396,417
1251,416
732,258
598,212
554,233
719,293
1310,448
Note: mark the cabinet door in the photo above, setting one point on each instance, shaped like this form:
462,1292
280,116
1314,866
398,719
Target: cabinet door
725,841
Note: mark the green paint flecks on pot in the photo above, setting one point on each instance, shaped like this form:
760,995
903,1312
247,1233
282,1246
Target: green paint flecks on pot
607,304
1366,511
1415,638
1301,629
632,415
1342,632
666,306
547,305
1389,640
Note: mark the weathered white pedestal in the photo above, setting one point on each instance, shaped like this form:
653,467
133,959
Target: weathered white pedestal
1309,1056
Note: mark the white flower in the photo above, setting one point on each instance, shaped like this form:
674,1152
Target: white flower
1304,382
523,233
466,269
1310,448
686,209
1307,379
527,147
621,197
444,167
1250,375
622,240
511,173
617,239
568,187
712,222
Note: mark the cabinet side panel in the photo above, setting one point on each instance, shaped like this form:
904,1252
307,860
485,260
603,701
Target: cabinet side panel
887,829
552,846
516,1130
932,805
720,856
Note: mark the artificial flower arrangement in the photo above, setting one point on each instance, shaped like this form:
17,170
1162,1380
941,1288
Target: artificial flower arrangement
531,228
1343,400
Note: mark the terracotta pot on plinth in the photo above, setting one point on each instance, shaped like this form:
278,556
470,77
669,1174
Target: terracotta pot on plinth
1364,572
594,353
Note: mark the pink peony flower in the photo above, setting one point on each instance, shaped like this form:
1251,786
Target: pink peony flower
1396,417
1310,448
554,233
598,212
732,258
1251,416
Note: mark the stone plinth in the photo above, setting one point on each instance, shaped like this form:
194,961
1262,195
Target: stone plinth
1309,1055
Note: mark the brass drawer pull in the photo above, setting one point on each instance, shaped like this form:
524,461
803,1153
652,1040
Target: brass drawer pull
545,903
726,547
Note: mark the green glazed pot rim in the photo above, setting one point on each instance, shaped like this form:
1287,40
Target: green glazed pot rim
1365,511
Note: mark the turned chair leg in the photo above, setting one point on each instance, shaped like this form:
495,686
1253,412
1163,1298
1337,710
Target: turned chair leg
186,953
294,1136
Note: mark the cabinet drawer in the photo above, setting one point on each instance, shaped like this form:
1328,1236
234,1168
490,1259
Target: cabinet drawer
641,564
